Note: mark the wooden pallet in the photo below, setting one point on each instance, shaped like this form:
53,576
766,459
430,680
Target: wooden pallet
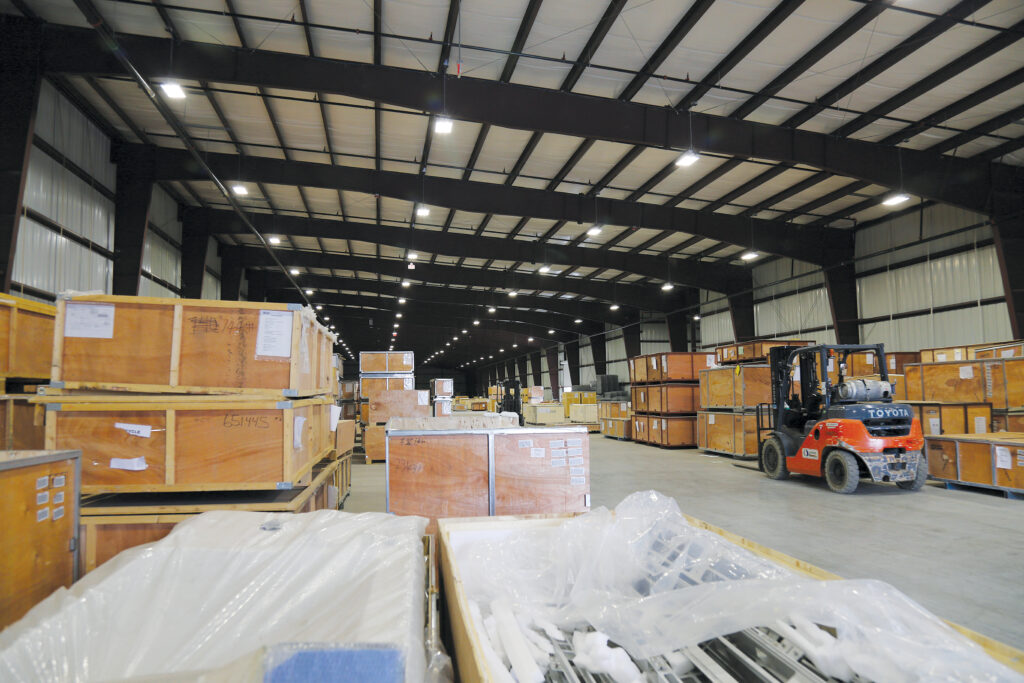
960,486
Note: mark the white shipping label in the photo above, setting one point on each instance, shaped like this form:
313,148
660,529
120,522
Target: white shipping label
869,358
578,481
537,453
58,497
58,481
622,406
966,372
831,364
558,462
575,461
664,424
711,418
664,362
934,426
131,464
423,398
43,498
575,451
574,443
980,425
557,443
335,416
408,383
58,513
407,358
42,482
92,321
741,350
42,514
957,354
577,472
145,431
300,421
892,363
1003,459
274,334
527,443
643,396
709,360
940,358
1006,353
558,453
654,362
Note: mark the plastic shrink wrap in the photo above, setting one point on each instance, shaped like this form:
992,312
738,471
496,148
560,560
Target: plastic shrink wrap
240,596
652,583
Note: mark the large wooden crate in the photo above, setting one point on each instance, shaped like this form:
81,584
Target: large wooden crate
488,471
113,523
386,361
154,345
1008,421
443,387
544,414
991,461
344,437
673,398
997,381
753,350
640,398
135,443
948,354
371,385
953,418
39,493
583,412
641,428
617,427
385,405
373,443
21,423
728,433
571,398
618,409
678,431
738,387
677,366
866,362
638,370
348,389
1007,350
26,338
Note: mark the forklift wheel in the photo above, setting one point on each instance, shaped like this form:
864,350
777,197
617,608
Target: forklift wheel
842,471
918,481
773,458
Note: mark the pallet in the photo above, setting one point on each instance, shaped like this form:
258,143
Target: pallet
617,438
753,350
1009,494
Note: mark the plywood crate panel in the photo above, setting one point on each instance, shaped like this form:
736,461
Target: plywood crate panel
386,361
442,407
641,398
541,471
616,409
993,460
641,428
1008,421
544,413
26,337
618,427
154,345
348,389
369,386
639,365
736,387
344,437
21,423
754,350
674,398
1008,350
442,387
998,381
953,418
583,412
399,403
39,508
866,362
970,352
113,523
673,431
728,433
681,366
176,443
570,398
373,442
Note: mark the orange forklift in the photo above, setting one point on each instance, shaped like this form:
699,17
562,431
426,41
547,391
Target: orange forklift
844,432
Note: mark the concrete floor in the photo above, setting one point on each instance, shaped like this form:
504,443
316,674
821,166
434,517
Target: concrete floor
958,553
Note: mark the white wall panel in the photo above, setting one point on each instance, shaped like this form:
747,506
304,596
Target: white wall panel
161,258
932,221
950,328
212,260
654,337
716,329
163,213
149,288
69,201
784,275
211,287
794,313
588,374
618,364
53,263
59,123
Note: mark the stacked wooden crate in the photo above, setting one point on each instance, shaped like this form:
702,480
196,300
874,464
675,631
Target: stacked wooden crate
664,397
385,371
442,390
615,419
172,397
26,354
992,461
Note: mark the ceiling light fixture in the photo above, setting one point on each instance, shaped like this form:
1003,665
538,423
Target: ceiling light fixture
688,158
413,256
422,211
319,307
513,294
614,307
447,343
309,291
406,283
326,318
696,317
667,287
551,331
578,320
530,339
501,350
442,125
749,256
596,230
398,315
464,332
173,90
895,199
455,339
544,269
412,266
395,325
492,309
401,300
515,346
274,240
476,322
294,271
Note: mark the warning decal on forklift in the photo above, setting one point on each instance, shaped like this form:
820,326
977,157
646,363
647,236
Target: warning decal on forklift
810,453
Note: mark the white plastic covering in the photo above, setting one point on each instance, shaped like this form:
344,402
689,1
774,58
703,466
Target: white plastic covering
220,595
653,584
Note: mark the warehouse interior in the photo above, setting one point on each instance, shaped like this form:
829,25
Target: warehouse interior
571,223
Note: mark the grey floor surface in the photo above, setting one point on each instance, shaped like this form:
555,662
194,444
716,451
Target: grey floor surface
958,553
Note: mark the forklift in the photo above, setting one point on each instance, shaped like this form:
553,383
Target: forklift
844,432
510,398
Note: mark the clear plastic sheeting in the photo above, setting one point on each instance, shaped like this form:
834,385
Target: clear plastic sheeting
240,596
662,589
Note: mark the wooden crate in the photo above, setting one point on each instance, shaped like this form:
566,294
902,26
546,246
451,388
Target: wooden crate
570,398
26,337
678,366
1008,421
373,443
738,387
753,350
347,389
953,418
113,523
442,387
371,385
543,414
673,398
677,431
991,461
350,410
21,423
618,409
728,433
344,437
618,427
641,428
386,361
1008,350
445,474
385,405
997,381
583,412
639,365
641,395
134,443
155,345
951,354
442,407
866,363
39,493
